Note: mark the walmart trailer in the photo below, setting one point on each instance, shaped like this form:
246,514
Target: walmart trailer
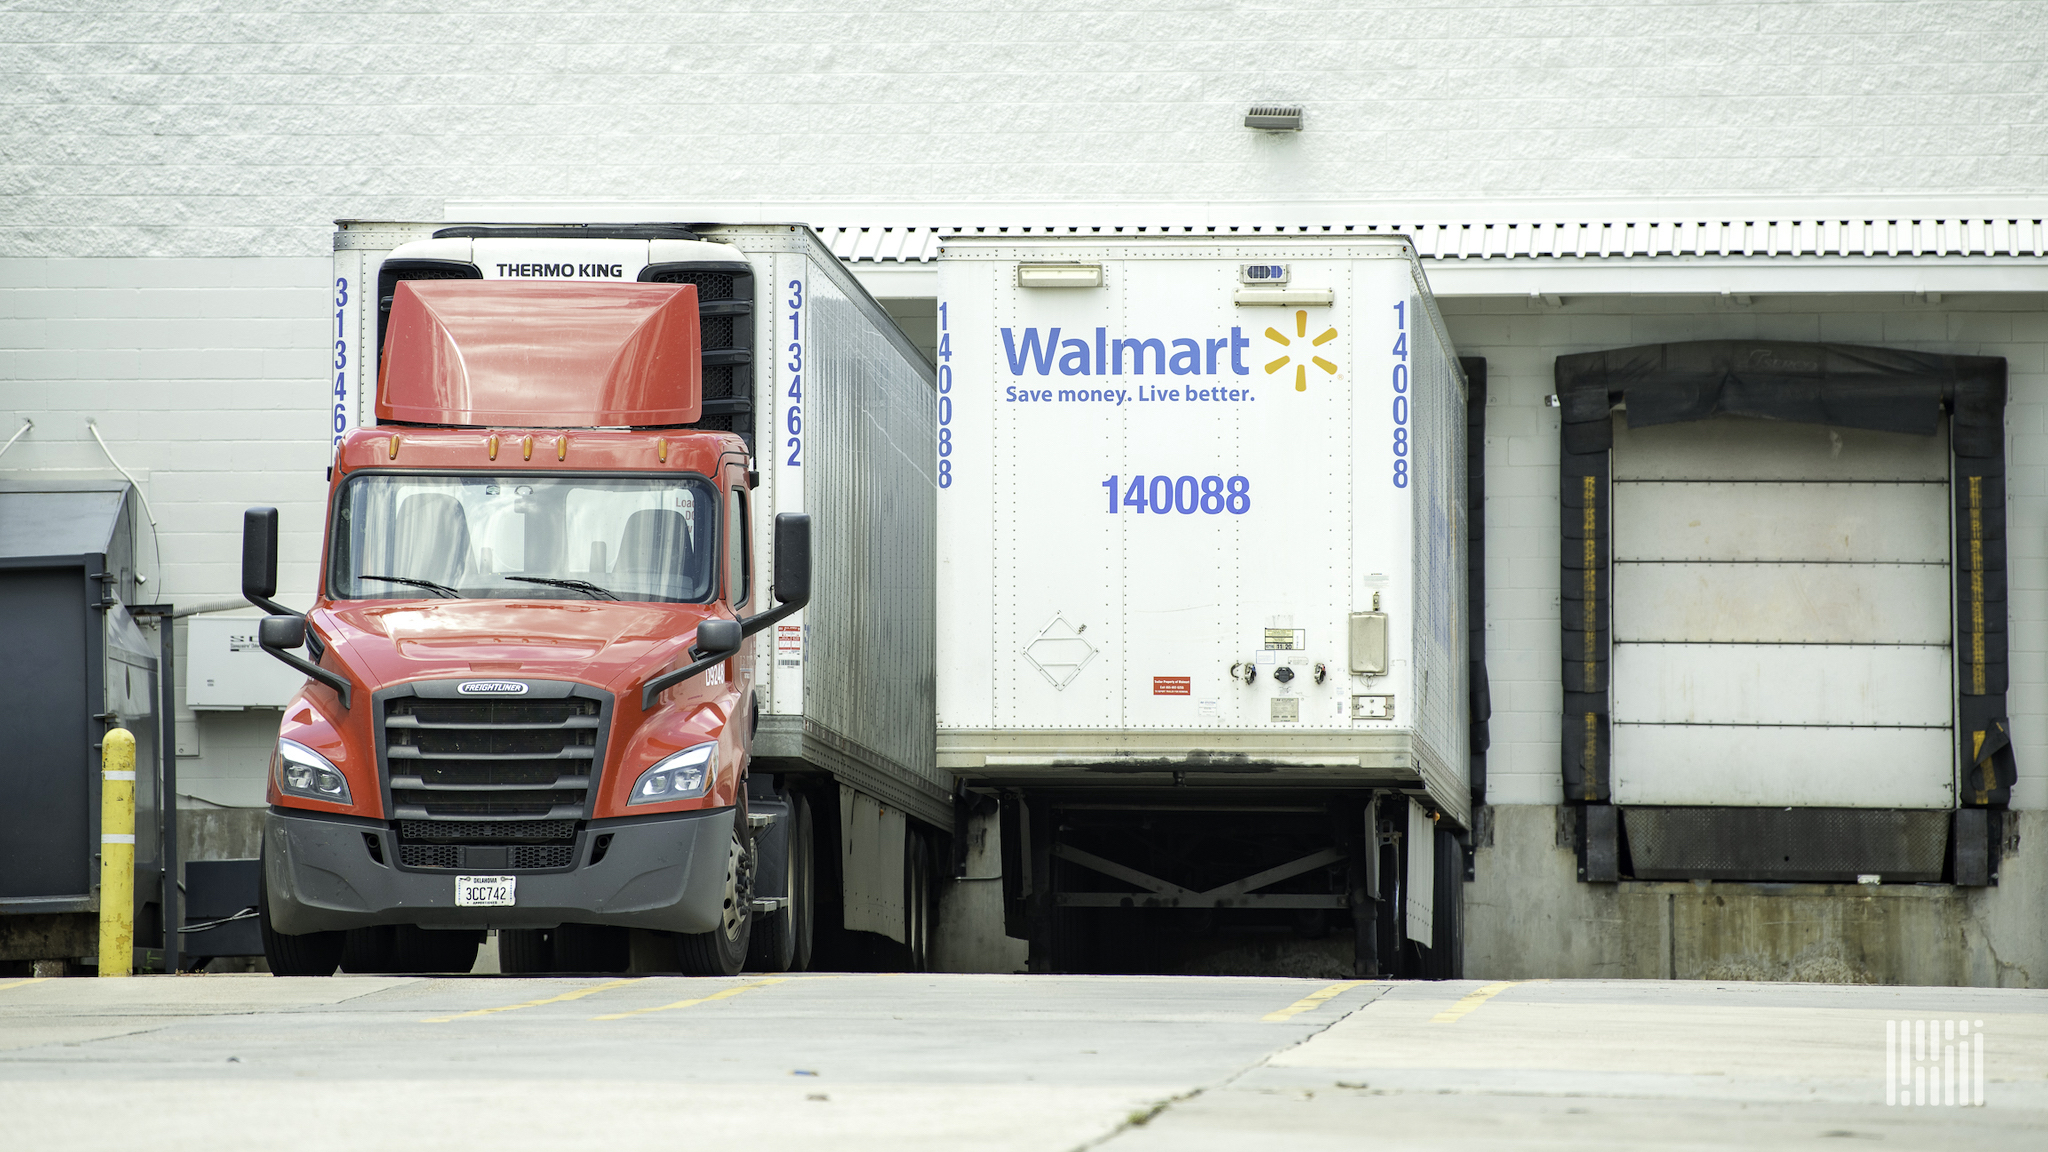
1202,592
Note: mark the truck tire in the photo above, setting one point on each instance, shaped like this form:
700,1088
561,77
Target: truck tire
782,939
312,954
723,950
522,951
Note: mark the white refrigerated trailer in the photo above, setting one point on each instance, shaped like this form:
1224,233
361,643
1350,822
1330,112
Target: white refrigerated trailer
837,404
1202,591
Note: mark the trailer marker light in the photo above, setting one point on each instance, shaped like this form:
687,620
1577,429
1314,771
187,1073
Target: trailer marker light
1059,275
1284,297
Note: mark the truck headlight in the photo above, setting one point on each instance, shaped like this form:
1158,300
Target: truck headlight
304,772
677,777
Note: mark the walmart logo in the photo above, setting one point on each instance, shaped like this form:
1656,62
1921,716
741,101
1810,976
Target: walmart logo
1305,358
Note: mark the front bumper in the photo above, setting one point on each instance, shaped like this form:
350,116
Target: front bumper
661,872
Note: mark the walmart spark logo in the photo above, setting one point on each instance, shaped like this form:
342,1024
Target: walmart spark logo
1300,369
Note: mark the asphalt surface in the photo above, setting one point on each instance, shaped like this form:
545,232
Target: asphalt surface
858,1061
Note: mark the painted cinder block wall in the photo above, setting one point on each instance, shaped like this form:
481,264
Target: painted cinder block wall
206,131
168,179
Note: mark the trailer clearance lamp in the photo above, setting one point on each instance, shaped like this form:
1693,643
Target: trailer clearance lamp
1284,297
1059,275
303,772
678,777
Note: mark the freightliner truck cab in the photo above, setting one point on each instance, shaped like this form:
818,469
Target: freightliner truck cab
529,703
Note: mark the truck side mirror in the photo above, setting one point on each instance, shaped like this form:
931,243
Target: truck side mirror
275,634
717,641
793,558
283,628
717,638
281,631
259,560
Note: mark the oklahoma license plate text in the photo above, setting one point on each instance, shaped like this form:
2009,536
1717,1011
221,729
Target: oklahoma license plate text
484,891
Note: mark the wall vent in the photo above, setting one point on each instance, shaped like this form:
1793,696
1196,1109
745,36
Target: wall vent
1274,117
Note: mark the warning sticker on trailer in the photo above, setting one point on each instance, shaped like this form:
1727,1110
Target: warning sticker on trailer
1286,638
1173,686
789,645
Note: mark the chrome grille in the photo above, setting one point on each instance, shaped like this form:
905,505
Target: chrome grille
502,779
493,757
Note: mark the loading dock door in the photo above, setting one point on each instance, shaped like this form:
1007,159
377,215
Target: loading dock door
1781,616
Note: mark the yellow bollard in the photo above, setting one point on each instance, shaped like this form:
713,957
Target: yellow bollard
117,853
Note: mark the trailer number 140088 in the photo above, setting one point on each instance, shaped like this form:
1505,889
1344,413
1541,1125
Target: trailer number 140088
1186,495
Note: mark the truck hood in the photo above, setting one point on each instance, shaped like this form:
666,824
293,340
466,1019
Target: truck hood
597,642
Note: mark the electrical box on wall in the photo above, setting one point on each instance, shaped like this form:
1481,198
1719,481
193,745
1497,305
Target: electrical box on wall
225,669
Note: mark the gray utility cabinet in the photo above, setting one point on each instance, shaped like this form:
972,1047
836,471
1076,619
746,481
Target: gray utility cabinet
74,663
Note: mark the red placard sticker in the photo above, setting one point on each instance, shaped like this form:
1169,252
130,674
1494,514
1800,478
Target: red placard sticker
1173,686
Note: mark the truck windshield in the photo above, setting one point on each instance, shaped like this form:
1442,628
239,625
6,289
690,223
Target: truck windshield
406,537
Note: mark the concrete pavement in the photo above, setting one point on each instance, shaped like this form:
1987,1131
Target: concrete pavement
996,1062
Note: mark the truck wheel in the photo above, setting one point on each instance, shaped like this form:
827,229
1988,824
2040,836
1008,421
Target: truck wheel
782,939
312,954
723,950
525,950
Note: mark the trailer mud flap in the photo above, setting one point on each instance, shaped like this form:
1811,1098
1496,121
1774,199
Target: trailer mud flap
871,853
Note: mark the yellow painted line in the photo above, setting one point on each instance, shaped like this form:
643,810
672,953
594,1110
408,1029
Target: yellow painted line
23,983
1312,1001
578,994
721,995
1452,1014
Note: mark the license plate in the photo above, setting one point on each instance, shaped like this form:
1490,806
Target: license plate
484,891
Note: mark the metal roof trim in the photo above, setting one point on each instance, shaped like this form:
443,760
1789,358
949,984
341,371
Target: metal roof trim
1863,235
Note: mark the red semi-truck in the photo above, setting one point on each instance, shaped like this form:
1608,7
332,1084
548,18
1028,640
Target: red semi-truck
530,698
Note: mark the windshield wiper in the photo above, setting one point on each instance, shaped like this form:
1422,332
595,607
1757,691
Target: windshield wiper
441,590
584,586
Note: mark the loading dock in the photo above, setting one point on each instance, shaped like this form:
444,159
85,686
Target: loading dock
1783,607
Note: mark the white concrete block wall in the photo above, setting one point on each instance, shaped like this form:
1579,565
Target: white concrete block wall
1521,342
204,376
168,176
208,130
